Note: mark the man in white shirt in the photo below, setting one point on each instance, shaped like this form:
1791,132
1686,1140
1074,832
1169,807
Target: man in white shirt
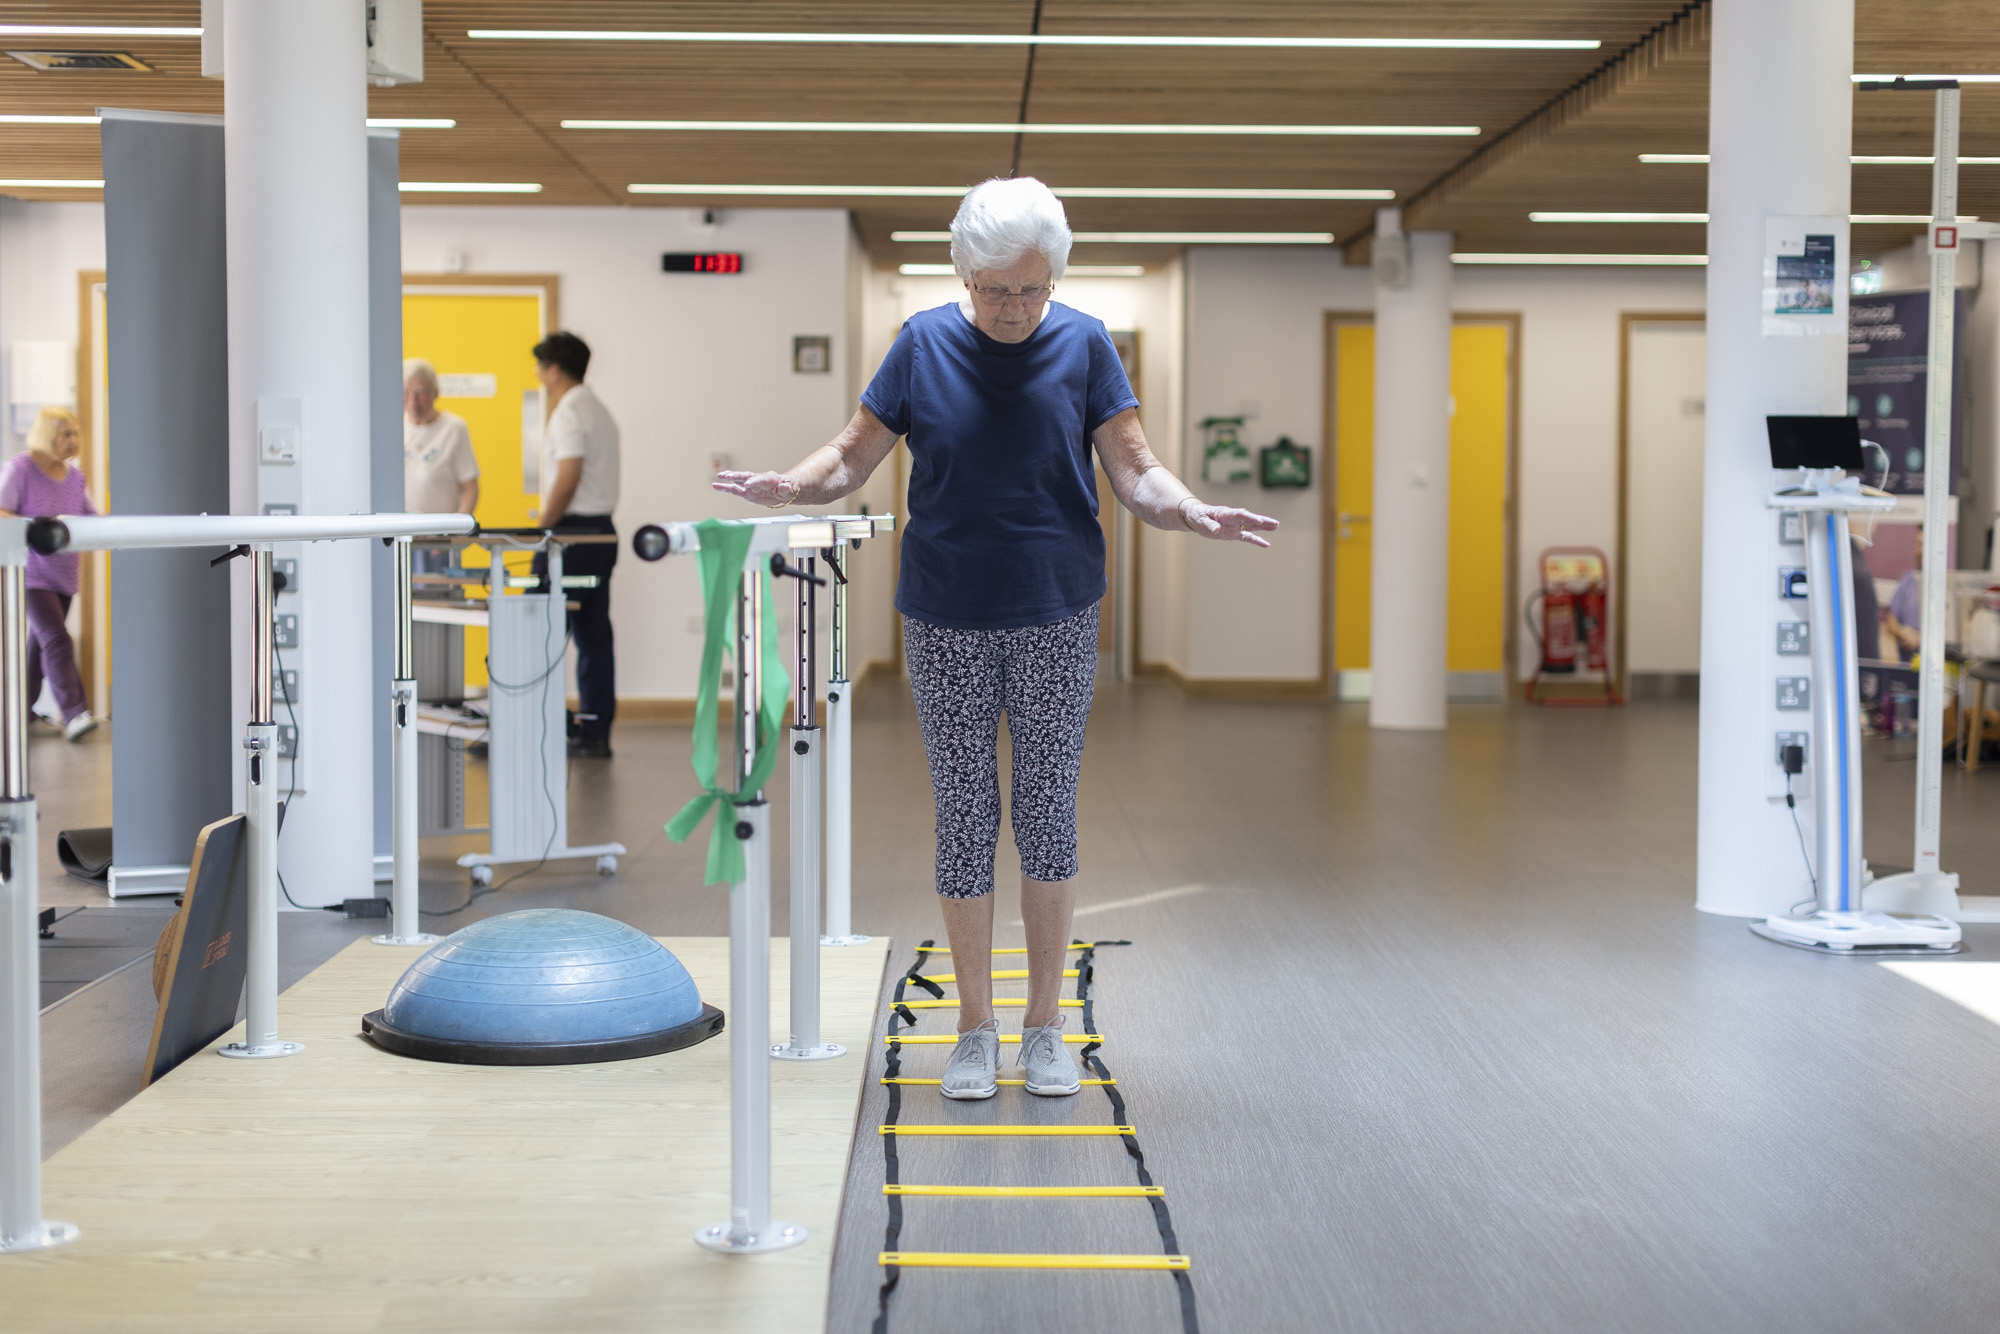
579,493
440,474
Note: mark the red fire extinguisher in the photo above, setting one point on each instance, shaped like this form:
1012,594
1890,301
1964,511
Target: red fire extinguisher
1590,605
1558,634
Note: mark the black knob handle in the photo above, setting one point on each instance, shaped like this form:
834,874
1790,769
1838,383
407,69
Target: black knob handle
651,542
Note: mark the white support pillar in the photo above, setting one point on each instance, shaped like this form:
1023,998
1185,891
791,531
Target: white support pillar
1780,133
1412,520
295,153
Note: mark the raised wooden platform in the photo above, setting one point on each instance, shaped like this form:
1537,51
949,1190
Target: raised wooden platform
349,1190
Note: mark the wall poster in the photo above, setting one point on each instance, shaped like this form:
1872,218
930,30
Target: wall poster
1805,277
1888,382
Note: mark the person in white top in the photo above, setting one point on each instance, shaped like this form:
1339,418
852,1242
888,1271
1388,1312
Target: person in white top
440,474
579,493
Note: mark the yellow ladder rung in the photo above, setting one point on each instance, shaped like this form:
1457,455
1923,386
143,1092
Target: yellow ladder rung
1005,949
1094,1083
941,1038
995,1260
948,1129
1013,1001
999,975
1037,1192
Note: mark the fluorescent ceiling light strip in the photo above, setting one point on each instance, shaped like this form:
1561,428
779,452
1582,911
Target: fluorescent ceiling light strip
1859,160
1159,238
1962,78
1473,257
470,187
82,30
1074,271
50,185
955,191
1618,217
1014,127
1912,218
409,123
47,120
1039,39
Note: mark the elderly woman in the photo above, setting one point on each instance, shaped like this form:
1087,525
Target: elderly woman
1003,396
38,482
440,473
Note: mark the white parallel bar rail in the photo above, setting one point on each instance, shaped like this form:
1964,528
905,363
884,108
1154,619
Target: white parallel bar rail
405,928
750,1227
22,1227
805,1044
20,1073
839,769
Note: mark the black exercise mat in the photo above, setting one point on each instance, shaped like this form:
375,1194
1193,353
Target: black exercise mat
85,853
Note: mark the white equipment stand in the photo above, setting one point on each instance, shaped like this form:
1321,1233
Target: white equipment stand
21,1226
1927,887
528,745
840,760
750,1227
405,928
1839,925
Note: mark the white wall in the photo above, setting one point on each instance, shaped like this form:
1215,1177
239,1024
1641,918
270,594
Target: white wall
689,364
42,249
1255,343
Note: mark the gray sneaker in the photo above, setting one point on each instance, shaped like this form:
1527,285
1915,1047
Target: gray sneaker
1051,1071
975,1065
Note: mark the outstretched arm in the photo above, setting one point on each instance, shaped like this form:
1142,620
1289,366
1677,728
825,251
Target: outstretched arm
835,469
1145,486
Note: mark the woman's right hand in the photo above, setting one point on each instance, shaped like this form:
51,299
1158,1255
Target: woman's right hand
774,490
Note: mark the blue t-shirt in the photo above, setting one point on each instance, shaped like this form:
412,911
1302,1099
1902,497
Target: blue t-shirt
1002,529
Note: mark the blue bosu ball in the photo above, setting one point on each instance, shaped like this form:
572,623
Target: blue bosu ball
548,986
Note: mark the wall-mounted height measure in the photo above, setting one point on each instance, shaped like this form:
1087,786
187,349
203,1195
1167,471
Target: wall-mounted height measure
722,261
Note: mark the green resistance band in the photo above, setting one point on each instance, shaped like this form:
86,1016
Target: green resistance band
724,546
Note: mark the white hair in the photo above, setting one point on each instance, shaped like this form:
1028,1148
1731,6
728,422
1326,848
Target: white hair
416,368
1003,220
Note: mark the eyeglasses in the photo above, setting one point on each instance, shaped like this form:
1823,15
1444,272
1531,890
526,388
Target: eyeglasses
1032,296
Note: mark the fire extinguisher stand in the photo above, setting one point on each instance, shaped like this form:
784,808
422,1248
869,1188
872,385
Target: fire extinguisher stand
1574,620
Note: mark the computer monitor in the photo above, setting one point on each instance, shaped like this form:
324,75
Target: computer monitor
1815,442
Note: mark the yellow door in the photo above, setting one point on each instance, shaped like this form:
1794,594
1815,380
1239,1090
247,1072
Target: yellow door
1477,613
480,342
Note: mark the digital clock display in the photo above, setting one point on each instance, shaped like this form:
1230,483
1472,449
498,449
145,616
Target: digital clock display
724,261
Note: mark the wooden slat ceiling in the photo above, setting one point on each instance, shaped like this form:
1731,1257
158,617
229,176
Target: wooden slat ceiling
509,99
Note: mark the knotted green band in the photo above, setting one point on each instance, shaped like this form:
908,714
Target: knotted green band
724,545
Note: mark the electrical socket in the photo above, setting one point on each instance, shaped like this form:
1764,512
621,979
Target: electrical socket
289,567
288,685
1791,581
1798,739
281,509
287,629
288,742
1794,693
1794,638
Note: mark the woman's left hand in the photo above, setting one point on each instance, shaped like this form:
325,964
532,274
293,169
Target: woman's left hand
1226,523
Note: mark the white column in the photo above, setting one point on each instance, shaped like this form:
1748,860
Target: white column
295,103
1412,521
1780,132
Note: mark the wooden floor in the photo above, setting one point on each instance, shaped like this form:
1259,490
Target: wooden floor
349,1190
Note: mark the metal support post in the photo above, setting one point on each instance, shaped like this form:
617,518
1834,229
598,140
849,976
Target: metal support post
1836,735
839,769
405,927
22,1227
750,1227
805,1044
260,806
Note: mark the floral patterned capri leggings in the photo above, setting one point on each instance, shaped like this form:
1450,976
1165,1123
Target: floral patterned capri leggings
1041,677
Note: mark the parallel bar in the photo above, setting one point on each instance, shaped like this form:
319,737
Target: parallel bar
1098,1083
950,1129
1016,1001
1032,1192
942,1039
805,1044
406,927
114,532
999,975
996,1260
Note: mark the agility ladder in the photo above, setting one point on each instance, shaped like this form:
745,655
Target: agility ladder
894,1260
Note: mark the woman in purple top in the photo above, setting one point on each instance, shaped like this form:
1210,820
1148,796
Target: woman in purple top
38,482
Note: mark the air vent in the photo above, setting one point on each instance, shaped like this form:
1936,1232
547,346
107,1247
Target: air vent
81,60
